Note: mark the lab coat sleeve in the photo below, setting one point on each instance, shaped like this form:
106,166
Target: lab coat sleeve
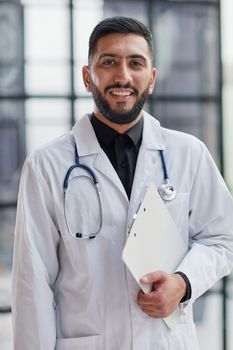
35,264
210,228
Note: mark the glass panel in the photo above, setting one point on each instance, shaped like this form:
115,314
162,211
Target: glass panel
186,49
7,221
228,127
210,318
11,148
46,32
47,78
227,56
8,147
93,10
44,3
83,106
46,50
187,1
125,8
132,2
11,48
198,119
11,139
46,119
230,312
6,341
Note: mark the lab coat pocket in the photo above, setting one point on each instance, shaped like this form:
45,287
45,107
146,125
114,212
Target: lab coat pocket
94,342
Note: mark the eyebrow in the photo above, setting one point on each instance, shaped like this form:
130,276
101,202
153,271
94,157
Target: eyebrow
110,54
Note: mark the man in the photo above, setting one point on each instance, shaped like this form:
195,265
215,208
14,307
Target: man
73,292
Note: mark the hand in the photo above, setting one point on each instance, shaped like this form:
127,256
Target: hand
167,291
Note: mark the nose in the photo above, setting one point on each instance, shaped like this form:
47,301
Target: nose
123,74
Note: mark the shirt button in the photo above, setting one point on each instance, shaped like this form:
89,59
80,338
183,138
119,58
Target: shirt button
123,164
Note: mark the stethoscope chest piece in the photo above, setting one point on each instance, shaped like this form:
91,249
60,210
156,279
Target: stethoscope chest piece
167,191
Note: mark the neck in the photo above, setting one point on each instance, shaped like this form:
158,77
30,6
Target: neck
120,128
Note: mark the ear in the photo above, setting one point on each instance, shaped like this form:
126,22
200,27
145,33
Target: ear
86,77
152,80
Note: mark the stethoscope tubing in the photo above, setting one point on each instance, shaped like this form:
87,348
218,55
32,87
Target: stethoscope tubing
162,157
166,191
92,178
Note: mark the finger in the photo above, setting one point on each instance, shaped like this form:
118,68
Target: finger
154,312
151,303
155,298
152,277
151,313
145,299
157,310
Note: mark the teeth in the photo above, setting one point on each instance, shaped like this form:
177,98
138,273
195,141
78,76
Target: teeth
121,93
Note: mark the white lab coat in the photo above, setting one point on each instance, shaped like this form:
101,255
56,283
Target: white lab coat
76,295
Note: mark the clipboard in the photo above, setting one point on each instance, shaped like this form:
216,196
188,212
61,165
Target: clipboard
154,243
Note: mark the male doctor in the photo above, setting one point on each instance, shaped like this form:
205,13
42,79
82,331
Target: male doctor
72,291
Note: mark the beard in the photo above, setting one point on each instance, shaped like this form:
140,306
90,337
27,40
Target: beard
120,115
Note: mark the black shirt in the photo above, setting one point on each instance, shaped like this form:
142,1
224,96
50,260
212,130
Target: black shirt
121,149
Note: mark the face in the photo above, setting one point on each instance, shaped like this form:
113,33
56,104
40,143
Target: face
120,77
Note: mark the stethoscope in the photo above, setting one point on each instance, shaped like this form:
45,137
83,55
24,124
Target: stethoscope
166,191
92,177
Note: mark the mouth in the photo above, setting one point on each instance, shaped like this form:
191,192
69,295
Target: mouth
121,92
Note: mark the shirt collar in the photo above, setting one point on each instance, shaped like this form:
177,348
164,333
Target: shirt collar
106,135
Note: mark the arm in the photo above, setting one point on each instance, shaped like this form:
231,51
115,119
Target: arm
211,243
35,264
210,229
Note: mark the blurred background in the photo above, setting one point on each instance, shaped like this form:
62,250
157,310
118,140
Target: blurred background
43,46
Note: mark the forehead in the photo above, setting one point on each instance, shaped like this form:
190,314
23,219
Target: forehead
122,45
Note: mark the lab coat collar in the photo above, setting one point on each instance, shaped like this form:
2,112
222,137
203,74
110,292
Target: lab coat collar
85,138
87,142
152,137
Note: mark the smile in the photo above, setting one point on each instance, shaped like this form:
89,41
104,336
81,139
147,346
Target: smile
123,93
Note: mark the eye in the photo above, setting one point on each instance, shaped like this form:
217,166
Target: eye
137,64
108,62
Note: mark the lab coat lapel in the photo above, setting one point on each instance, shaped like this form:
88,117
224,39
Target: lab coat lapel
148,163
92,154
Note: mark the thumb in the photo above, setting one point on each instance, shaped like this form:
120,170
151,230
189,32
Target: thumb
153,277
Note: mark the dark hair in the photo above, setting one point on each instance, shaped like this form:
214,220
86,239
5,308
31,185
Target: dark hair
118,24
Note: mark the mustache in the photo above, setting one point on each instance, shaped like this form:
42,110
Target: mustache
121,86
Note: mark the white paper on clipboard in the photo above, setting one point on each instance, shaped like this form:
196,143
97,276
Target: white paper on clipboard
154,243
